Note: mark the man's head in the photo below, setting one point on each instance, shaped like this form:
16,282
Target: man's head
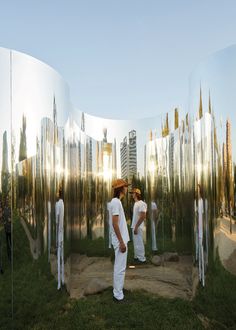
200,191
59,194
120,188
136,194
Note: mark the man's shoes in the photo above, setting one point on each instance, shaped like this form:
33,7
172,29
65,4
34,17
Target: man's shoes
139,262
122,301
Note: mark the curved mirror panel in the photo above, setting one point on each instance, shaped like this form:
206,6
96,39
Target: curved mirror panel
42,230
6,235
212,103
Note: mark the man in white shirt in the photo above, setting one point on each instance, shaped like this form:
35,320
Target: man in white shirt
59,210
119,237
139,215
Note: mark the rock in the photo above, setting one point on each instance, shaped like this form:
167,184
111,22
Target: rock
95,285
171,256
156,260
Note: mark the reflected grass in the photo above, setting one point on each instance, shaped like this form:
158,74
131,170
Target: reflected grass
99,247
5,284
92,248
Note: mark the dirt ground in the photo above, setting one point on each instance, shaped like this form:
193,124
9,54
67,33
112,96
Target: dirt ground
226,244
88,275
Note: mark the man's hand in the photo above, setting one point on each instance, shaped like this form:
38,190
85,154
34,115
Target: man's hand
122,247
142,217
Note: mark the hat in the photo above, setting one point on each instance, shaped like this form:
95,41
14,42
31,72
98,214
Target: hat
118,183
136,191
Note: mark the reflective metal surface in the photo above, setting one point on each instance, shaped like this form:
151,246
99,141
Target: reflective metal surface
212,105
6,237
184,165
152,154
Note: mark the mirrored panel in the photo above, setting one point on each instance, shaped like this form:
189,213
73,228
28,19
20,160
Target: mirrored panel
153,155
6,237
42,229
212,103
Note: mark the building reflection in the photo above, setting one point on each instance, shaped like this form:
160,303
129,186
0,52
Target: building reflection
168,184
128,156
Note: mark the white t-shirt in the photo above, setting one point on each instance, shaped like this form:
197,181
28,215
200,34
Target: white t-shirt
116,208
154,211
153,206
59,209
200,218
139,206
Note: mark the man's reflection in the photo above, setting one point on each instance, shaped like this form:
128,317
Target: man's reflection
7,226
154,223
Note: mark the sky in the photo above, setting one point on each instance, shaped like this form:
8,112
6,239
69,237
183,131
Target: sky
121,58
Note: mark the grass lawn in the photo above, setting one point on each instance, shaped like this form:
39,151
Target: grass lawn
38,305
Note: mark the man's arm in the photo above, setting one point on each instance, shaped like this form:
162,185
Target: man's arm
142,217
115,219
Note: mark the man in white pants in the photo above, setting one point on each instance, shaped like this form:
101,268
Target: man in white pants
119,237
154,214
139,215
59,210
201,262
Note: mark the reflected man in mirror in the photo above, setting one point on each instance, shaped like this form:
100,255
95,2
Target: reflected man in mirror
139,215
200,212
7,226
59,210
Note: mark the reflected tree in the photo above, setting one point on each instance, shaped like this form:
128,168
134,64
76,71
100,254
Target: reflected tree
23,145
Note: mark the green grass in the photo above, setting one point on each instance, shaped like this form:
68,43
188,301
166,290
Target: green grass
38,304
217,300
143,312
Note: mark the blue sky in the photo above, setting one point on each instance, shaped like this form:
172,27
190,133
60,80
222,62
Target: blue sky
123,58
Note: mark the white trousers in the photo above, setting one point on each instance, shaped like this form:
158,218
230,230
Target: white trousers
201,262
60,264
119,272
197,244
139,252
154,239
56,235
